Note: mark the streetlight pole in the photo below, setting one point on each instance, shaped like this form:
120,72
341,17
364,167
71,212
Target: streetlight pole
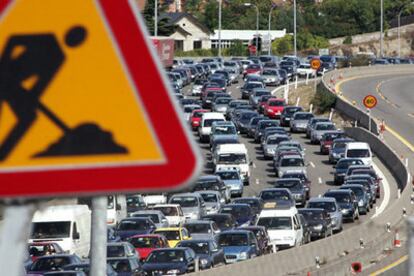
294,28
219,28
382,30
270,39
257,25
399,28
156,18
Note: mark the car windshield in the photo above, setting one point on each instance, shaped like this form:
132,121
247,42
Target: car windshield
276,103
120,266
290,184
222,130
295,175
344,164
261,93
228,175
126,225
326,58
145,242
267,124
185,201
37,250
232,158
325,127
153,217
303,116
223,100
198,114
198,228
276,140
189,109
113,251
170,234
358,192
232,239
207,185
50,264
166,256
287,63
252,85
209,122
292,162
236,211
198,247
340,197
269,73
311,214
276,223
247,115
326,205
292,111
275,195
167,211
209,197
199,82
339,145
51,230
253,66
358,153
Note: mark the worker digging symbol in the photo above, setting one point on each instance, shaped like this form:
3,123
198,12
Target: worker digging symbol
28,64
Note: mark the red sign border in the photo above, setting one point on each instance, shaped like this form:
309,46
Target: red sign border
366,97
182,157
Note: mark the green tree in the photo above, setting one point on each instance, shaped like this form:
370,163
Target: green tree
238,49
282,46
164,26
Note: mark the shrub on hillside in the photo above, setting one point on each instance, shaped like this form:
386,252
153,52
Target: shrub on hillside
323,100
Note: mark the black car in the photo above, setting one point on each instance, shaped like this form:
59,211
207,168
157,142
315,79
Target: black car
248,87
338,149
52,263
281,197
243,120
319,222
85,267
290,67
341,168
287,114
126,266
135,203
255,203
176,261
241,212
211,183
233,104
223,221
134,226
251,128
295,186
208,252
303,177
261,127
306,229
347,201
282,75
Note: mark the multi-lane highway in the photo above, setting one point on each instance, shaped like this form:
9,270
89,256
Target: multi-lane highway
395,106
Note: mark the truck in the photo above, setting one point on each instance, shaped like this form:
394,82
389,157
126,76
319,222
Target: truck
165,50
67,225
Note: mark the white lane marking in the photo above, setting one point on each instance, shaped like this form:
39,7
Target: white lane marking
320,180
386,188
312,165
254,165
237,87
257,181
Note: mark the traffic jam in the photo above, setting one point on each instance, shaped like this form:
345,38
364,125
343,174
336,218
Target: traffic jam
225,216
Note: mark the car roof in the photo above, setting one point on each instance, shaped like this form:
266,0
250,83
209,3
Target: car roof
185,194
322,199
169,229
208,177
296,156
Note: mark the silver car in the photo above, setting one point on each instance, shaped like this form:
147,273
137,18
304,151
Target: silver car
256,94
213,201
157,217
293,143
192,204
312,122
188,110
290,163
271,144
331,206
319,130
299,121
221,104
271,77
202,229
232,179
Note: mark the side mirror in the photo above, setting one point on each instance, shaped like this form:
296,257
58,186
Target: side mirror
76,236
118,207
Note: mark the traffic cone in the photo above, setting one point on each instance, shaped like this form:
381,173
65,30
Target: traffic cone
397,241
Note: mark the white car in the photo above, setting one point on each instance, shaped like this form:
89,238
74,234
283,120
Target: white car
172,212
305,69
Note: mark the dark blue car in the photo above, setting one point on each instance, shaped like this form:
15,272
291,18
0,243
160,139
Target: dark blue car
207,251
134,226
176,261
241,212
53,263
238,245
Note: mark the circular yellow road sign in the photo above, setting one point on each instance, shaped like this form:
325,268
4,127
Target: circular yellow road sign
315,63
370,101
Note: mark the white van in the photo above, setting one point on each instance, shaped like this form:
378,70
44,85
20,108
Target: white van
207,120
233,156
359,150
67,225
117,209
283,225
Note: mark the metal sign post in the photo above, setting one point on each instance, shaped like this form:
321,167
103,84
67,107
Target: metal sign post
98,236
410,222
369,119
13,238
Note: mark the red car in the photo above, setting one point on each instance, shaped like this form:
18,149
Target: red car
145,244
195,118
327,140
255,69
39,249
274,107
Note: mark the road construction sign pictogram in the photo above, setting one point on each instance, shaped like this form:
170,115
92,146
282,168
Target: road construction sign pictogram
315,63
369,101
83,105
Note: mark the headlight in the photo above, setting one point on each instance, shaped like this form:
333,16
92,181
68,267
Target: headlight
318,227
360,203
173,271
243,255
204,262
345,211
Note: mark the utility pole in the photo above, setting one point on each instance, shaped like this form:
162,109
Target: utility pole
219,29
156,18
382,30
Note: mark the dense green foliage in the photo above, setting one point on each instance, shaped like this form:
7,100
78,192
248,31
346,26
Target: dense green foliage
164,28
323,100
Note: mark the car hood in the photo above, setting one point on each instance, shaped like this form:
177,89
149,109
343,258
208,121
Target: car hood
300,122
202,236
235,249
128,233
164,266
279,234
230,136
232,182
345,205
292,169
187,210
268,147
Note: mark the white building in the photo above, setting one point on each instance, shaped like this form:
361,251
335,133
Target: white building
229,36
190,34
